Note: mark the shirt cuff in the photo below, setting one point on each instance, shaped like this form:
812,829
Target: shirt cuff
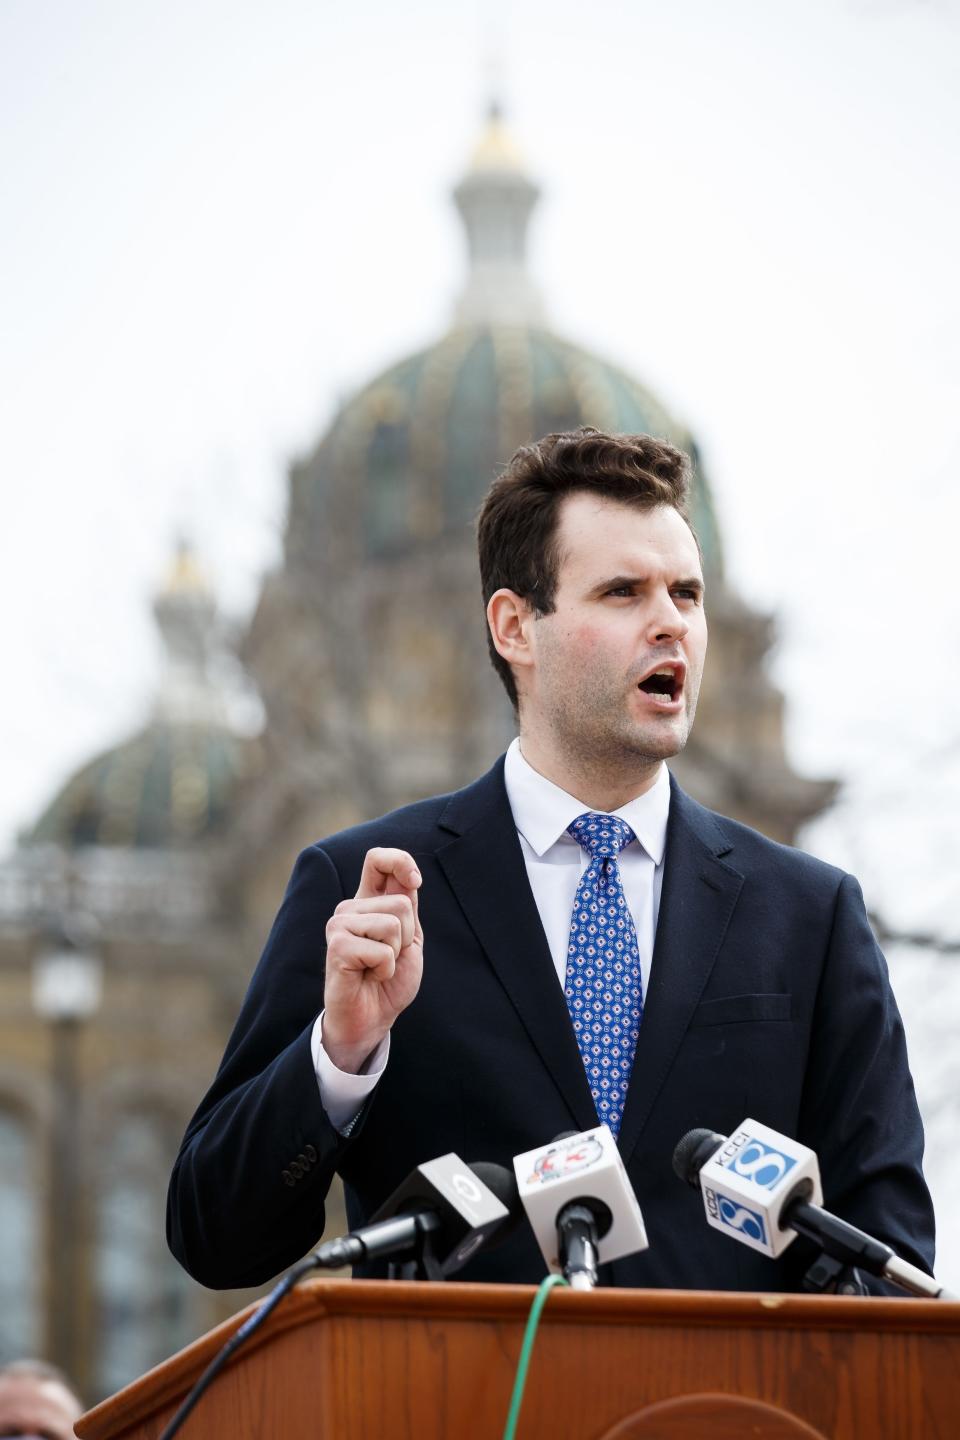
342,1095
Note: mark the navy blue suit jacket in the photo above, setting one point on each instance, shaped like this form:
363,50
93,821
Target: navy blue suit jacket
768,998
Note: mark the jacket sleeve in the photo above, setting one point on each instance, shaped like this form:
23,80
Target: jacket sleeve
859,1110
246,1197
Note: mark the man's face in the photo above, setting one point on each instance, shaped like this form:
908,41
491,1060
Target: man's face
33,1406
617,664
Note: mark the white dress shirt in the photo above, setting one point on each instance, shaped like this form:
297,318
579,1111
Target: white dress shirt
555,862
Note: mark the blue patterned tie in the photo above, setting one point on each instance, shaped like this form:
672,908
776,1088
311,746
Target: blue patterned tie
604,989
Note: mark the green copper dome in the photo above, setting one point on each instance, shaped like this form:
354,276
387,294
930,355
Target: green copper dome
411,456
168,787
171,784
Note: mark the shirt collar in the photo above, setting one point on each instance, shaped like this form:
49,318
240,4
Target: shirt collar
542,811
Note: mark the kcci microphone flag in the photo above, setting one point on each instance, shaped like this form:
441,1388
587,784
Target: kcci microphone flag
749,1179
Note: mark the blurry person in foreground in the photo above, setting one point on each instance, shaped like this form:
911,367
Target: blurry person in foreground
37,1402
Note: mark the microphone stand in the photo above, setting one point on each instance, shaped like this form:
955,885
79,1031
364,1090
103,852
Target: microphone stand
847,1247
827,1276
408,1236
577,1225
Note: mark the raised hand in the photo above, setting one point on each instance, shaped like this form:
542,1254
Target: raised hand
374,958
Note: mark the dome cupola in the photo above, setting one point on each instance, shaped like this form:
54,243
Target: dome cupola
408,459
170,785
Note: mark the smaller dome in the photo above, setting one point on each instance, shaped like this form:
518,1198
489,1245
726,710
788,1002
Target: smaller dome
171,784
168,787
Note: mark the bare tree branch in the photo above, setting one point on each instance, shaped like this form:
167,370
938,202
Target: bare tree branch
924,940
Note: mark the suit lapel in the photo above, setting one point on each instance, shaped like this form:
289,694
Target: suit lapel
485,868
699,894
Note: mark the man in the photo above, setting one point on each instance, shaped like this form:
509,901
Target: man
570,936
36,1402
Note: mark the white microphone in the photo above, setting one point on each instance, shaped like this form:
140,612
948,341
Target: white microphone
747,1180
763,1189
580,1204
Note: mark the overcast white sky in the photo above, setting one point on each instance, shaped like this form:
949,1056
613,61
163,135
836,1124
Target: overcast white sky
217,216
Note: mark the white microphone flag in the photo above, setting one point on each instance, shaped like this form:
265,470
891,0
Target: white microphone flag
584,1167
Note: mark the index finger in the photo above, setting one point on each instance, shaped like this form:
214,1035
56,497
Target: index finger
381,866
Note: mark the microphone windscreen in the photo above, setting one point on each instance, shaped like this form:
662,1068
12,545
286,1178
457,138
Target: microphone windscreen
503,1183
693,1152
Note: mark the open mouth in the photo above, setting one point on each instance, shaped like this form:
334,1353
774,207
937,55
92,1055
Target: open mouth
664,684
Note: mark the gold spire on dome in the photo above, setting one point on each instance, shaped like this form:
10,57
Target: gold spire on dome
186,614
185,575
496,149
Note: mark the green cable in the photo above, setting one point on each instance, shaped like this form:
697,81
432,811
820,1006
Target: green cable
523,1364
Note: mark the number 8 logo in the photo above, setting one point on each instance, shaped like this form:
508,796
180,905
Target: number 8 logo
740,1219
755,1161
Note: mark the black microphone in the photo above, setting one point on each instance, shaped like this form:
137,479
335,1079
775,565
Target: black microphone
438,1218
756,1187
580,1226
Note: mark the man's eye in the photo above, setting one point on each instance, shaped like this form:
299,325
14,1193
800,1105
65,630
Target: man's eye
621,590
687,593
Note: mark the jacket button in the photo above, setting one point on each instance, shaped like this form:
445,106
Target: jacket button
296,1168
311,1153
304,1162
288,1179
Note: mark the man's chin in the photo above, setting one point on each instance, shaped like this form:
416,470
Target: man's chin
592,740
661,742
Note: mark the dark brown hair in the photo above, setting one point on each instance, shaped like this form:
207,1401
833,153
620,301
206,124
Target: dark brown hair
518,520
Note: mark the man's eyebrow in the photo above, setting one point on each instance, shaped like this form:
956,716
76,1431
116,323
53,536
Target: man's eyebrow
616,582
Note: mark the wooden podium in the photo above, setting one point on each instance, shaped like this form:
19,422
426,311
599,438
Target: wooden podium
362,1360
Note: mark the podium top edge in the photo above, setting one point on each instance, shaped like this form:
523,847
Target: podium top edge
325,1300
453,1300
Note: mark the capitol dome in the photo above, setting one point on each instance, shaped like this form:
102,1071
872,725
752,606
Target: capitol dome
368,644
408,459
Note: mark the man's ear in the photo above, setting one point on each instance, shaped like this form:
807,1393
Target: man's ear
510,618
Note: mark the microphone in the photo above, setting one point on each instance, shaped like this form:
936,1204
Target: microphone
763,1189
439,1217
454,1208
580,1204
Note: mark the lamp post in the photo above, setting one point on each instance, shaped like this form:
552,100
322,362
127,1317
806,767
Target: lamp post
67,982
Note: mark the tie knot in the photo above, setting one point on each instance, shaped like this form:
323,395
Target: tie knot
601,835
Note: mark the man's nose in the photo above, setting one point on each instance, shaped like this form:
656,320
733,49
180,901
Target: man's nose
666,621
